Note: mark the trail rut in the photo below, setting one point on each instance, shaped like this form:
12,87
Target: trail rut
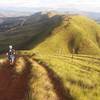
13,86
62,93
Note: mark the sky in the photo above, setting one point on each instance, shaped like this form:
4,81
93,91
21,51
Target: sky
87,5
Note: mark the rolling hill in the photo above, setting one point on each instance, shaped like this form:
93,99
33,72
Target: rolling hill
62,33
76,34
58,58
28,30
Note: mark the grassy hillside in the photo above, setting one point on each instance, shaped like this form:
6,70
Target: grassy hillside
76,34
67,49
32,30
79,74
53,33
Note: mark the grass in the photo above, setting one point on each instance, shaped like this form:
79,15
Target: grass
79,72
69,34
32,32
40,84
81,77
2,57
78,33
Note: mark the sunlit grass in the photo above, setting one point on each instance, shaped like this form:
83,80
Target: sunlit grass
41,87
81,77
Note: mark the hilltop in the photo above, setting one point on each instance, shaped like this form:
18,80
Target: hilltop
61,33
18,31
76,34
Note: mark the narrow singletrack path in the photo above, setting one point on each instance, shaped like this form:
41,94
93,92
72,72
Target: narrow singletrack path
14,86
62,93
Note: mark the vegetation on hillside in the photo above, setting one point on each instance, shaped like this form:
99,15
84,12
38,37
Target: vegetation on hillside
76,34
60,60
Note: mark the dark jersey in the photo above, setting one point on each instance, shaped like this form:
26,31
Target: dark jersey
11,52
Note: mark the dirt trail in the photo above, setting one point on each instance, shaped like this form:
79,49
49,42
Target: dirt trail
41,86
14,86
62,93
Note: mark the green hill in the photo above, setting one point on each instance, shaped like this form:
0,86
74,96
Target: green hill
53,38
33,29
78,73
76,34
53,33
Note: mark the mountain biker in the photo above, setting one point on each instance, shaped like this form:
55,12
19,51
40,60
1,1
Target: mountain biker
11,54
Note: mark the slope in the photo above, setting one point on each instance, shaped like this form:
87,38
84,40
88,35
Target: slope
76,34
54,33
31,29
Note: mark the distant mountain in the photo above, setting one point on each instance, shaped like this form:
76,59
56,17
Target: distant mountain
26,11
4,14
20,11
71,10
14,12
94,15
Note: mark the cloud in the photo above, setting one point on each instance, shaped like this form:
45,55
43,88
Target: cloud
18,3
93,5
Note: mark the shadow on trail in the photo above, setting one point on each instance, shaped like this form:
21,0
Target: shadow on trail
58,85
14,86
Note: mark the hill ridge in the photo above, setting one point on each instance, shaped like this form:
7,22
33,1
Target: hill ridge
65,33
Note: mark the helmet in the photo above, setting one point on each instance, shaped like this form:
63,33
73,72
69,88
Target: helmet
10,47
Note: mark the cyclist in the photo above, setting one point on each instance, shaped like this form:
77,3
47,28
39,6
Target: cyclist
11,54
